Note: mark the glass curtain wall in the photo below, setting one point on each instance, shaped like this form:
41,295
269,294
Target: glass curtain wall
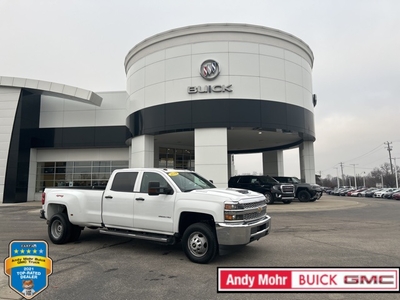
176,158
76,173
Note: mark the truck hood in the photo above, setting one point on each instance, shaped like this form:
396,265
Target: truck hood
228,194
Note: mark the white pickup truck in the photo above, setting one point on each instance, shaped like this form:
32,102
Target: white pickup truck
161,205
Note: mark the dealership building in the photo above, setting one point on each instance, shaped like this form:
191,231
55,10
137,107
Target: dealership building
195,96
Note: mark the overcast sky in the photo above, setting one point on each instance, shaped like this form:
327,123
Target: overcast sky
356,45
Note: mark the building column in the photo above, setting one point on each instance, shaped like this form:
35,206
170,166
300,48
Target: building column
211,154
273,163
307,164
231,165
142,152
8,106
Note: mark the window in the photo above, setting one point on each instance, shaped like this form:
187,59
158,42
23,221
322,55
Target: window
151,177
124,182
76,173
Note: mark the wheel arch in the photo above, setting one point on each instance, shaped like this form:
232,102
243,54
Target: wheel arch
56,208
188,218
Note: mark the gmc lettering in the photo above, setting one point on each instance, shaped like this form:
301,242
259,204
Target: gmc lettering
374,279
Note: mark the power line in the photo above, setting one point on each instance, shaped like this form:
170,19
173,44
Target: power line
365,153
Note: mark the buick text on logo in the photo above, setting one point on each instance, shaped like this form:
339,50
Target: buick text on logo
209,70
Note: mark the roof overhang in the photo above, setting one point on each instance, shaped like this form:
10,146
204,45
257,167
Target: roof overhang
52,89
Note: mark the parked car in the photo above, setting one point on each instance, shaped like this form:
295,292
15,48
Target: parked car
381,192
357,193
337,191
266,185
303,191
389,194
370,194
396,196
345,191
367,191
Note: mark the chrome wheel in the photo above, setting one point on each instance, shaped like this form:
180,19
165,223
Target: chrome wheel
197,244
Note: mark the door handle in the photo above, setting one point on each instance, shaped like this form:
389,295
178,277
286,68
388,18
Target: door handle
139,199
108,197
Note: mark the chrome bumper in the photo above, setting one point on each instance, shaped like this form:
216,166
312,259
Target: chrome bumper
230,234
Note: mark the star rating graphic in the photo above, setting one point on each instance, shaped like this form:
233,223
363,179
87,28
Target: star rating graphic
24,251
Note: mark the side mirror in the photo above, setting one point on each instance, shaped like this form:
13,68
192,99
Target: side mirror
154,189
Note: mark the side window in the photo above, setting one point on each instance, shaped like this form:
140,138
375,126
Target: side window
124,182
149,177
245,180
255,181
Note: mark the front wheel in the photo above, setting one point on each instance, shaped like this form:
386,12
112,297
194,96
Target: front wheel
269,198
199,243
304,196
59,229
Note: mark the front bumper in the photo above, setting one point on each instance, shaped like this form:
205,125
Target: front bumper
230,234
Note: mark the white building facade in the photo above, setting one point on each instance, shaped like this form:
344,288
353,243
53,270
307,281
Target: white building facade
195,96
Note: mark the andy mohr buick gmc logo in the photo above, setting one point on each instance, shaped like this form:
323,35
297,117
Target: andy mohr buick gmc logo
209,69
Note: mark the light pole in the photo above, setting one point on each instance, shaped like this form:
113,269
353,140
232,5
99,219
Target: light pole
355,176
395,172
364,180
337,177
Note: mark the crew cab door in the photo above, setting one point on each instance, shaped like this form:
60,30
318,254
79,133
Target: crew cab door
118,201
153,212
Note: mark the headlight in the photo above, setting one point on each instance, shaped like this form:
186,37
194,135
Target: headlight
231,206
233,217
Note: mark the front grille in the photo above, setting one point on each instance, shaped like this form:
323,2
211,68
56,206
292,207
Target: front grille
287,188
254,215
253,204
247,212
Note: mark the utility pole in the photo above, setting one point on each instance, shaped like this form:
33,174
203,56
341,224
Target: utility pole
337,178
355,176
390,156
341,165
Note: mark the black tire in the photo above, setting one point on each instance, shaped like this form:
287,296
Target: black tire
269,199
287,201
75,233
59,229
304,196
199,243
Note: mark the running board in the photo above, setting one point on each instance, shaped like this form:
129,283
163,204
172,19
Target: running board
143,236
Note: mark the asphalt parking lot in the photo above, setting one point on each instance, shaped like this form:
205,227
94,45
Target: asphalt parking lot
331,232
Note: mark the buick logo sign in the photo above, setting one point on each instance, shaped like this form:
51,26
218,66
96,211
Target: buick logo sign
209,69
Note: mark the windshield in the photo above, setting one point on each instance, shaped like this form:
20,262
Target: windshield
188,181
296,180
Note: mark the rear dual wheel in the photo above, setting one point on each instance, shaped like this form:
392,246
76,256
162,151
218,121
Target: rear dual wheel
61,231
